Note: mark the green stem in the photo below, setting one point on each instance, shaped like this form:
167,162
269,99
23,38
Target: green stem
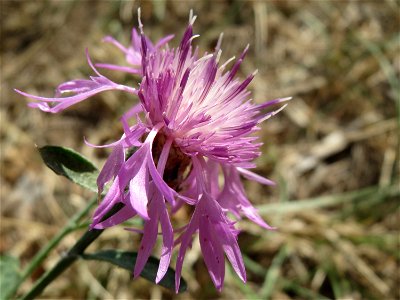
63,264
43,253
66,261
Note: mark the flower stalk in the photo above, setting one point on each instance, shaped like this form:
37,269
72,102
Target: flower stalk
71,226
73,254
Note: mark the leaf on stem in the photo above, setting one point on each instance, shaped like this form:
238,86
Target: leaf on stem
9,274
70,164
127,260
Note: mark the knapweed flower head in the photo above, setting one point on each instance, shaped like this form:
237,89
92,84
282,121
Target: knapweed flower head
194,125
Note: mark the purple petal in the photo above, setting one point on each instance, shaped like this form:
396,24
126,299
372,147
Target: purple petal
213,173
112,197
229,243
76,86
164,156
119,68
270,114
271,102
135,171
82,89
168,240
111,167
122,215
186,239
65,102
164,40
124,141
158,180
251,212
148,240
91,88
110,39
212,253
237,64
234,199
138,185
253,176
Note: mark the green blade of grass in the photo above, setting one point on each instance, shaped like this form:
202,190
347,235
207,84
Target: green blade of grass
328,200
272,276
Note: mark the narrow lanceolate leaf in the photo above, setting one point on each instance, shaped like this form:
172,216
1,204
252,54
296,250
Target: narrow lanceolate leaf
70,164
127,260
9,275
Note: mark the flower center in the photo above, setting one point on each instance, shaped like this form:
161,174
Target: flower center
177,162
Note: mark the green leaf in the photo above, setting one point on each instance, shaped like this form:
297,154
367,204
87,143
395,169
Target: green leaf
9,274
127,261
70,164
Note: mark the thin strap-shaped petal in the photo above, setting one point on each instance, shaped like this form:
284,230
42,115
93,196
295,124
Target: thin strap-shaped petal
164,40
233,198
251,212
125,142
213,253
92,88
253,176
76,86
82,88
158,180
64,102
232,250
122,215
226,234
110,39
138,185
270,114
110,199
186,239
111,167
164,156
168,240
271,102
119,68
148,241
135,110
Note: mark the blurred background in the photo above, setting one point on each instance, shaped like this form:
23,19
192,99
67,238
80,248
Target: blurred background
333,151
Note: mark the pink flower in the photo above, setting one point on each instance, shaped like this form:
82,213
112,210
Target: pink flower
199,120
133,52
195,122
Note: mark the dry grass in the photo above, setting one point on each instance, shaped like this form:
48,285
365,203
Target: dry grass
333,151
